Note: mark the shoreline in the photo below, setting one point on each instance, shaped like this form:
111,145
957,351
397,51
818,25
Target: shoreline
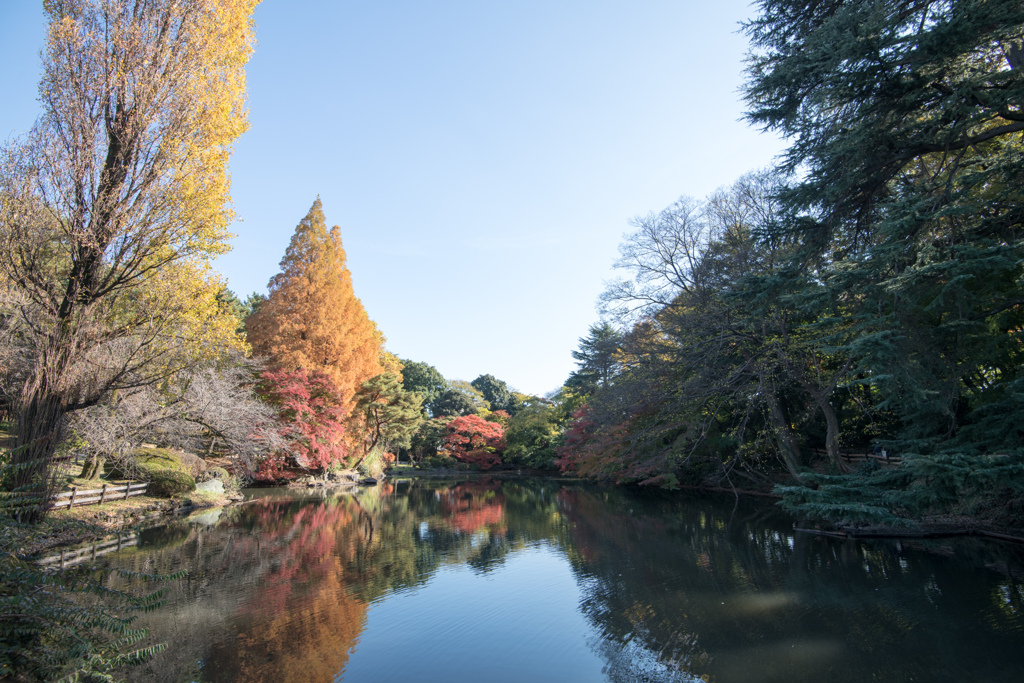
67,530
64,530
925,529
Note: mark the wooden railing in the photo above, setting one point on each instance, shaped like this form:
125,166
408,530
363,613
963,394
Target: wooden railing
69,499
857,458
73,556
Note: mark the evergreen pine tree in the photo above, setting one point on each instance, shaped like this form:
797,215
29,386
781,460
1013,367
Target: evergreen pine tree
906,127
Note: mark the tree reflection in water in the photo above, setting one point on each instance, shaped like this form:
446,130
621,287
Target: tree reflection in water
733,595
673,588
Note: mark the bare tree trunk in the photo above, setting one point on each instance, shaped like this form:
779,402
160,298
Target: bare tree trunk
31,468
93,468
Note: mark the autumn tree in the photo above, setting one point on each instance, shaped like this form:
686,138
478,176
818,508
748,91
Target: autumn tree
727,354
390,414
311,417
312,318
474,440
112,206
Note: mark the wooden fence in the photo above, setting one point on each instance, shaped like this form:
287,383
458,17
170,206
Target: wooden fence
69,499
857,458
69,557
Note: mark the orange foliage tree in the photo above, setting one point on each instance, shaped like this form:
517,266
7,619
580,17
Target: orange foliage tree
312,318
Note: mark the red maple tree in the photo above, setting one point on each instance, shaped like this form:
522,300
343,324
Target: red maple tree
474,440
311,418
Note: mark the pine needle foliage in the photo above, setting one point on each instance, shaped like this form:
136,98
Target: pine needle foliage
907,135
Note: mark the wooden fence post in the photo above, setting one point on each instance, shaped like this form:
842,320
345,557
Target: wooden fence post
103,494
127,488
74,490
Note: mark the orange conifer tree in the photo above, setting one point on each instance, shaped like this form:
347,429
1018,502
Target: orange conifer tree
312,318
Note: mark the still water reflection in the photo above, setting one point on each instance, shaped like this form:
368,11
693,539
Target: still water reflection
540,580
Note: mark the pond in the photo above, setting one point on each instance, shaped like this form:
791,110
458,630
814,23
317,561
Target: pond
546,580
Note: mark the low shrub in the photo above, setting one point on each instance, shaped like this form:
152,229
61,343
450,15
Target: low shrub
166,483
215,473
195,465
438,462
146,460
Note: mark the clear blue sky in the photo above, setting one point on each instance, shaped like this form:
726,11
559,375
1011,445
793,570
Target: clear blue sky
482,159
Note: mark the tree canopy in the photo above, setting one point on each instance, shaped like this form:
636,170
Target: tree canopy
866,294
496,393
113,205
312,318
425,380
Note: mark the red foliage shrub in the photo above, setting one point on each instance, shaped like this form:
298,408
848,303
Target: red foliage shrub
473,440
472,506
311,419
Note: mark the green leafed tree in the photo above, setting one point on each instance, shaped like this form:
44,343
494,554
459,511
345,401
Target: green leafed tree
532,435
390,414
596,357
425,380
496,393
454,403
907,119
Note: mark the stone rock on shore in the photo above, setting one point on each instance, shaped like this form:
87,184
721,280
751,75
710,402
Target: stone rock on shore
211,486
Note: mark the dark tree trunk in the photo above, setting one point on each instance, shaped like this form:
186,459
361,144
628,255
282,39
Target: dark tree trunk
832,433
789,447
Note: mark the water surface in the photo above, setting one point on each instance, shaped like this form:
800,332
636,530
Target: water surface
547,581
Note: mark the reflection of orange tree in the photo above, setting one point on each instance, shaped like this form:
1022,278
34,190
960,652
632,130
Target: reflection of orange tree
471,506
307,643
304,621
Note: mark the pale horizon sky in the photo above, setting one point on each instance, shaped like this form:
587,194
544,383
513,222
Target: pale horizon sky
482,160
